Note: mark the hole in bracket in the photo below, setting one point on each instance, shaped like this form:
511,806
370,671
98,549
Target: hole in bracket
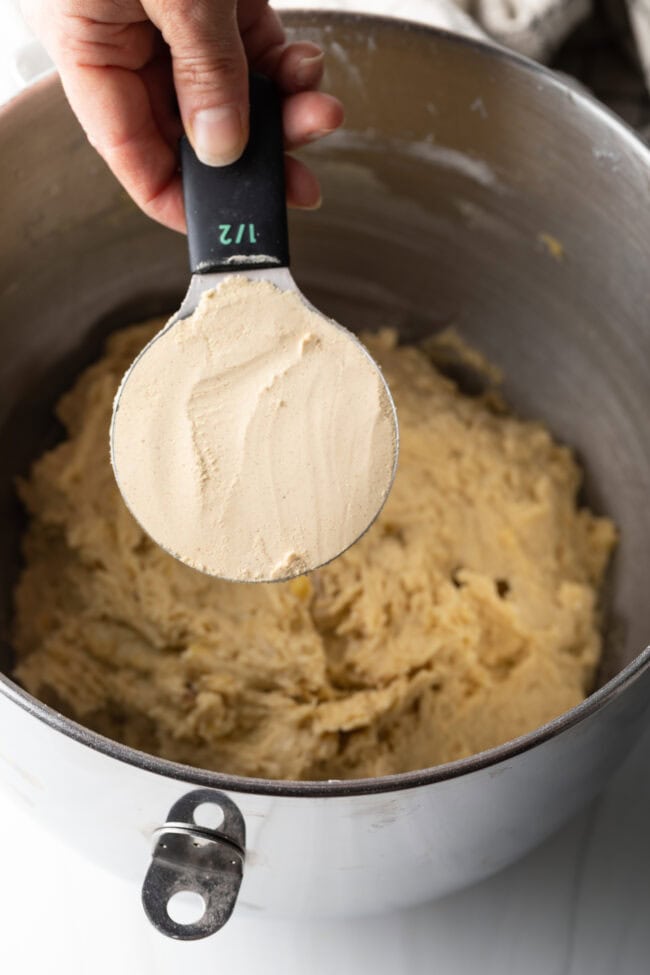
209,815
186,907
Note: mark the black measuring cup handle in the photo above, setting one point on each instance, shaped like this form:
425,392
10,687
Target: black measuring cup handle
237,214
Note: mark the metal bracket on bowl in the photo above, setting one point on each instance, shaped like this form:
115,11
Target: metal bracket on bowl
188,857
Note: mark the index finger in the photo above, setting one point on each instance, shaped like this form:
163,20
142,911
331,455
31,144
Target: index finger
115,109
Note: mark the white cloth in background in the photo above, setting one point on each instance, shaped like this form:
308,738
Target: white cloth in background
446,14
639,12
535,28
532,27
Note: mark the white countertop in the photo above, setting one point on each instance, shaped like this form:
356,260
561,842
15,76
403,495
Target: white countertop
579,905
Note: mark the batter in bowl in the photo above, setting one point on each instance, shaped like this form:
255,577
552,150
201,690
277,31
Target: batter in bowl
466,616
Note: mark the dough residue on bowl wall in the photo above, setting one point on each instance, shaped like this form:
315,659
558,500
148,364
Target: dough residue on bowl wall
466,616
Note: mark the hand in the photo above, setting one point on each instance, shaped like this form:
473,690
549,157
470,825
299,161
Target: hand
129,67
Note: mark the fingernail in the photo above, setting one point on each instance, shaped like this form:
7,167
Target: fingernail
318,134
218,135
312,206
306,69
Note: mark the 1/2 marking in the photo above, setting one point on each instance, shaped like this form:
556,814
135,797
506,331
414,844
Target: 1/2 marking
226,231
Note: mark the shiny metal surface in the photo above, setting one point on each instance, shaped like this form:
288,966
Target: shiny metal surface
329,854
188,858
282,279
279,276
470,188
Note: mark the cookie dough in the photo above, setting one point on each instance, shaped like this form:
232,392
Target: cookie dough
466,616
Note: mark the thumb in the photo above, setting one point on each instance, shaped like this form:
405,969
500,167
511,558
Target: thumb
210,75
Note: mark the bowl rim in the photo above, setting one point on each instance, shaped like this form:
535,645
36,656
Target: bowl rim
290,788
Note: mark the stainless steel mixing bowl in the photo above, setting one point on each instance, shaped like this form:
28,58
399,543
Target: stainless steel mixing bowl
469,187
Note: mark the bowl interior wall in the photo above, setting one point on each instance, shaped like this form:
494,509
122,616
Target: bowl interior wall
466,189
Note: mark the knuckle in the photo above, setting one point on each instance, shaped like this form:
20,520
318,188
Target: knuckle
76,49
183,8
210,71
184,17
86,42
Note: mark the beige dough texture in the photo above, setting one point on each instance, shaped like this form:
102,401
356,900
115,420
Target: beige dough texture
466,616
254,440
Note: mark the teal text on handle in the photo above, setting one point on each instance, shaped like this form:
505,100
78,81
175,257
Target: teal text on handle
231,233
